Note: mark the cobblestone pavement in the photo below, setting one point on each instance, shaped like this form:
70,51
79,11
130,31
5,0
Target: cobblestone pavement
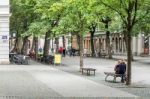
17,83
140,84
26,82
40,81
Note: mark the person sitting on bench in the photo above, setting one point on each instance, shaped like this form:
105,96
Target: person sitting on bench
120,68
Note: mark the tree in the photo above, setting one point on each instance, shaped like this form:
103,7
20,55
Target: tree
76,19
92,31
36,29
22,16
16,23
106,21
130,13
49,13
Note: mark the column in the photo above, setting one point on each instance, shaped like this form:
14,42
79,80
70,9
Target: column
122,40
149,46
104,44
124,44
117,45
4,31
114,45
87,43
134,45
100,45
140,45
120,45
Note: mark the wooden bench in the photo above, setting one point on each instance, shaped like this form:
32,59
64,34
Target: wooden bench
103,55
113,75
88,70
87,54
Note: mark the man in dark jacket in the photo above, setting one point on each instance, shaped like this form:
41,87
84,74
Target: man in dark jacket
121,69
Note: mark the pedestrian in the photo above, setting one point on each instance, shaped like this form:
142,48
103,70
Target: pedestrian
116,68
73,52
120,68
60,50
64,52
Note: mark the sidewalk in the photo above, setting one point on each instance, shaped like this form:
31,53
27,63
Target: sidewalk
140,79
45,82
136,58
69,85
41,81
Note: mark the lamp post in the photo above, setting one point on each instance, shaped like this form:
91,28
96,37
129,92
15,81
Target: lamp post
12,37
106,21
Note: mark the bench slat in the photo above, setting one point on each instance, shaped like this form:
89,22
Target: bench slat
88,70
114,75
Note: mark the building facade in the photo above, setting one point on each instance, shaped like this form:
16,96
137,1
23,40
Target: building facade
140,44
4,31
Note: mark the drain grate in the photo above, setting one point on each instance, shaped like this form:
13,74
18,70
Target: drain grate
10,97
20,97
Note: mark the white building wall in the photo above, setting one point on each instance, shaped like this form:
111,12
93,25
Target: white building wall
60,42
140,46
4,2
4,31
134,45
149,45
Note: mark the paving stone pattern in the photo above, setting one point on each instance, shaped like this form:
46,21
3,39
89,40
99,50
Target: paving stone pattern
141,90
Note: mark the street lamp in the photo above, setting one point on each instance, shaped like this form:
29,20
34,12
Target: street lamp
106,21
11,40
14,35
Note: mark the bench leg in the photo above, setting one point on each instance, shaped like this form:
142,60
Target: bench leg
87,72
114,79
82,71
106,77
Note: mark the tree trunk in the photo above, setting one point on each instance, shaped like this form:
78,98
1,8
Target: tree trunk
129,58
128,39
92,44
63,40
16,46
25,46
19,44
36,48
108,46
46,44
81,52
57,44
92,31
79,43
110,52
129,53
33,43
100,47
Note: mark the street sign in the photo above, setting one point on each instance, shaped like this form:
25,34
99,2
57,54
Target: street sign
4,37
57,59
